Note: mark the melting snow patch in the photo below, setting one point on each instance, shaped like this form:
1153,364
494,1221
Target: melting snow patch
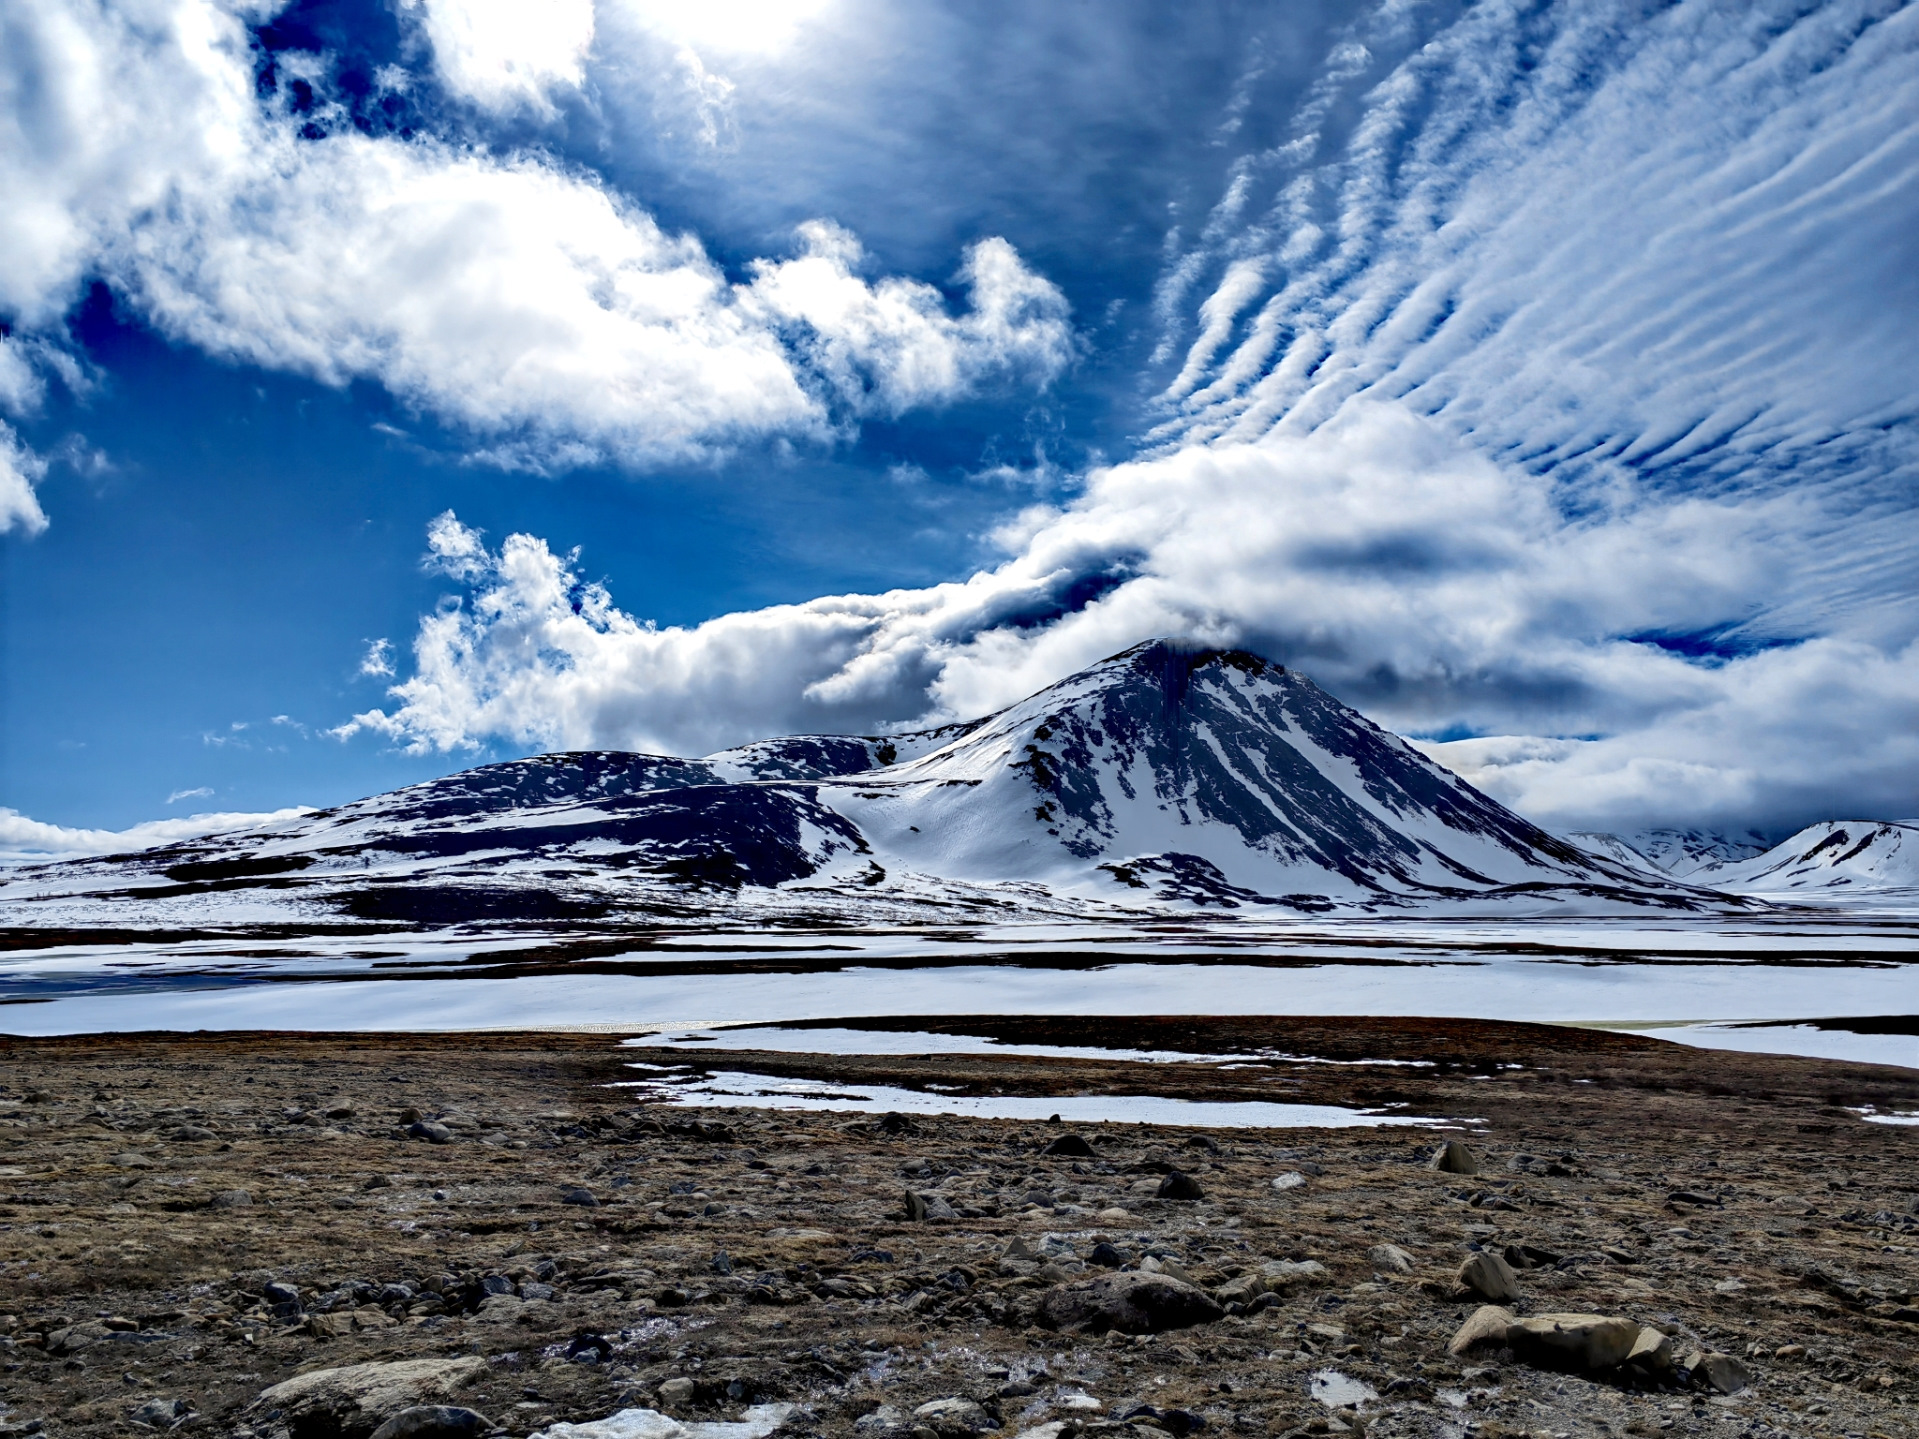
755,1423
754,1091
1340,1391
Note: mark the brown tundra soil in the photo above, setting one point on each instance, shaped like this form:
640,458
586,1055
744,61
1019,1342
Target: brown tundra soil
188,1221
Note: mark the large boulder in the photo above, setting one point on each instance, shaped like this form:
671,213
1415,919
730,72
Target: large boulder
1452,1157
1490,1277
1573,1341
355,1400
1133,1303
1487,1326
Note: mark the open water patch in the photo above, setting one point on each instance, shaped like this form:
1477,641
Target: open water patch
738,1089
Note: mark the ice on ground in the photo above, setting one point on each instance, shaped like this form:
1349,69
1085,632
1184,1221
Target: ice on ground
733,1088
778,1039
1809,1040
755,1423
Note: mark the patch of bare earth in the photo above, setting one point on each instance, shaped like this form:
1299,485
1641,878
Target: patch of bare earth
187,1221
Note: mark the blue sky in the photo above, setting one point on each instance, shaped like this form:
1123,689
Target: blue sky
388,387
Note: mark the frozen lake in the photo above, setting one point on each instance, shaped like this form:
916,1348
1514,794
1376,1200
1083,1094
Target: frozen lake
1692,981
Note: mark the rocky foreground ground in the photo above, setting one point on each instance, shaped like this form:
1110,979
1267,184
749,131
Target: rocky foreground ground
292,1237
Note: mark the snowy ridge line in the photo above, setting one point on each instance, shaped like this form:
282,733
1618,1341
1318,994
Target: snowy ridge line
1170,779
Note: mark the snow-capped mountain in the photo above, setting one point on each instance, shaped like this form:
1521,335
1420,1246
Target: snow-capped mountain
1833,860
1696,855
1170,774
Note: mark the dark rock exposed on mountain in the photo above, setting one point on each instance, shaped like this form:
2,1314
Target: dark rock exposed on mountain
1170,774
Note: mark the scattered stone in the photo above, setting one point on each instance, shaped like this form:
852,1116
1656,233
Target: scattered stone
161,1413
435,1421
190,1134
355,1400
677,1391
1720,1372
1070,1146
1114,1216
953,1417
1181,1187
1291,1179
1579,1341
1452,1157
1487,1325
131,1160
231,1199
1651,1351
921,1208
430,1130
1106,1256
1390,1259
1133,1303
573,1194
1490,1277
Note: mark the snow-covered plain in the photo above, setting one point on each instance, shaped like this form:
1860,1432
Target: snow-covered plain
1176,830
1672,971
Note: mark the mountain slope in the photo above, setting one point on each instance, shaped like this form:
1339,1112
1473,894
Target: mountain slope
1831,860
1171,774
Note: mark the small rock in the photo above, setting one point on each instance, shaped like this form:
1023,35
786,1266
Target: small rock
1721,1372
1181,1187
1584,1341
434,1421
1291,1179
677,1392
1071,1146
888,1419
1452,1157
1487,1324
1790,1351
573,1194
1651,1351
430,1130
1114,1216
1133,1303
1390,1259
1490,1277
1106,1256
161,1413
274,1292
232,1199
190,1134
131,1160
952,1417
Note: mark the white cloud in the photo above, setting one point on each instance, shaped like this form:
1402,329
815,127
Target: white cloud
24,840
891,346
505,54
377,662
20,470
203,792
523,301
1411,575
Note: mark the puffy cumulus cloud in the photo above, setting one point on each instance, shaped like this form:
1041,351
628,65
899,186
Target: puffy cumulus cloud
506,55
891,346
20,470
525,302
30,841
1414,577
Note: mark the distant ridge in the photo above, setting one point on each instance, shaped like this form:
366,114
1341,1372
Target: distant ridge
1169,776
